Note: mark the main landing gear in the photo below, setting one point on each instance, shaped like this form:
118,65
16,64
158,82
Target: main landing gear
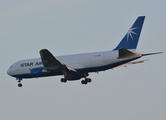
86,81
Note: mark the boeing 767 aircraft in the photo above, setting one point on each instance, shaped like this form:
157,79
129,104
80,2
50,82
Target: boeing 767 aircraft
77,66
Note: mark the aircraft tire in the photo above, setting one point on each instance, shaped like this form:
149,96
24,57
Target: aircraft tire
19,85
84,82
63,80
89,80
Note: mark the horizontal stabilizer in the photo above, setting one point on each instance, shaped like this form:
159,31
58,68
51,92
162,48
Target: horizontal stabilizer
123,53
151,53
130,63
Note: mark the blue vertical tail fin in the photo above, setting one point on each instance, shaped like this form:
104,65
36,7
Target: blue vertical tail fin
131,39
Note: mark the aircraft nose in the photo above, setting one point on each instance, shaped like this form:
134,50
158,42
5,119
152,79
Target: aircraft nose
8,71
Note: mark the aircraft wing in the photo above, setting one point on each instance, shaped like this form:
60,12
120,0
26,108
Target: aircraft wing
130,63
51,63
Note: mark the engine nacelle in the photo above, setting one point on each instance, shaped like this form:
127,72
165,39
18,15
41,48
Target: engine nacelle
36,72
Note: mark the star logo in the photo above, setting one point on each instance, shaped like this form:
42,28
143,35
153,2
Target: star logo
130,33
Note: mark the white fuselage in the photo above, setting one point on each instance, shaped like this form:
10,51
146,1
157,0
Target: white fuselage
86,62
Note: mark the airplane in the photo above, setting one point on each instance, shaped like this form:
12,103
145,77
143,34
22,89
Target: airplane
77,66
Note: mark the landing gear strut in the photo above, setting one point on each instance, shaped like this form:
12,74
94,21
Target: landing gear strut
86,81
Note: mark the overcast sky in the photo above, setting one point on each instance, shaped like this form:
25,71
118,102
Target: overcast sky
66,27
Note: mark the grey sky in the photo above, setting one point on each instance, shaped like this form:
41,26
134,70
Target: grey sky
68,27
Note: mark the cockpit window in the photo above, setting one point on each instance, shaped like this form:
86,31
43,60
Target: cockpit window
10,66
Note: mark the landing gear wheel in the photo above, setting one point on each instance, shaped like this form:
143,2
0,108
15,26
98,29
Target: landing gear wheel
63,80
84,82
88,80
19,85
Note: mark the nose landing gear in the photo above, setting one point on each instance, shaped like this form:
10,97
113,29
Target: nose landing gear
19,82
